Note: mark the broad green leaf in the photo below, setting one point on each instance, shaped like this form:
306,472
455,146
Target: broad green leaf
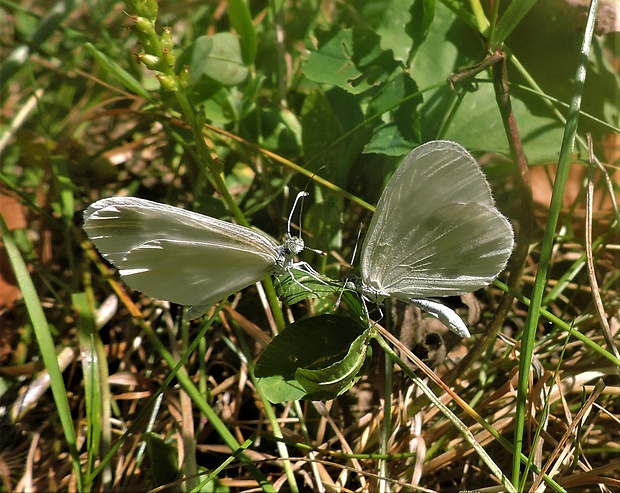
217,101
398,104
324,220
388,140
399,94
449,44
347,59
475,121
321,130
310,343
332,63
434,62
338,377
392,28
477,125
349,109
470,13
217,57
163,458
297,285
550,58
241,20
280,129
423,13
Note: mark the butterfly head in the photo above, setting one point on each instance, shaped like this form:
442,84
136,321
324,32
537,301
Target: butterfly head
286,253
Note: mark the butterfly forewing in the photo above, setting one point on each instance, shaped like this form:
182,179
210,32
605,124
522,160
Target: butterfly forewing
177,255
118,224
436,231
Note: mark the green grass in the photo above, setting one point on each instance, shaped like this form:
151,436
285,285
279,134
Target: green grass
231,112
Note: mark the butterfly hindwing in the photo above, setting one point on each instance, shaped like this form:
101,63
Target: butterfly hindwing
191,273
460,248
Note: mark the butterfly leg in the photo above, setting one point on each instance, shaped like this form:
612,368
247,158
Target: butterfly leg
307,268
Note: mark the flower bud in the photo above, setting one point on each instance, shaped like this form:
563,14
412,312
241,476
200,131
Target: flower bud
149,9
143,25
185,79
167,82
166,38
150,61
168,58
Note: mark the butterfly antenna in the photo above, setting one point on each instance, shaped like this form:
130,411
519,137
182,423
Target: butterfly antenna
290,216
357,241
299,197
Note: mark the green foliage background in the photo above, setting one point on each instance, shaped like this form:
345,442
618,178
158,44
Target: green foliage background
230,108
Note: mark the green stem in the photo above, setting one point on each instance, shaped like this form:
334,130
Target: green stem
271,415
529,334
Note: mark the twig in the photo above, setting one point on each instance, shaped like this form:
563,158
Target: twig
596,295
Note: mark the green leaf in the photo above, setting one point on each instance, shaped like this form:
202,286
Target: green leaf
313,343
388,140
217,57
347,59
321,128
391,29
475,122
280,130
338,377
324,220
398,104
297,285
549,58
241,20
450,44
423,13
470,13
349,109
541,135
163,458
332,62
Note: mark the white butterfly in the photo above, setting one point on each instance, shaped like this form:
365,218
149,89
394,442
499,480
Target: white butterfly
184,257
435,232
